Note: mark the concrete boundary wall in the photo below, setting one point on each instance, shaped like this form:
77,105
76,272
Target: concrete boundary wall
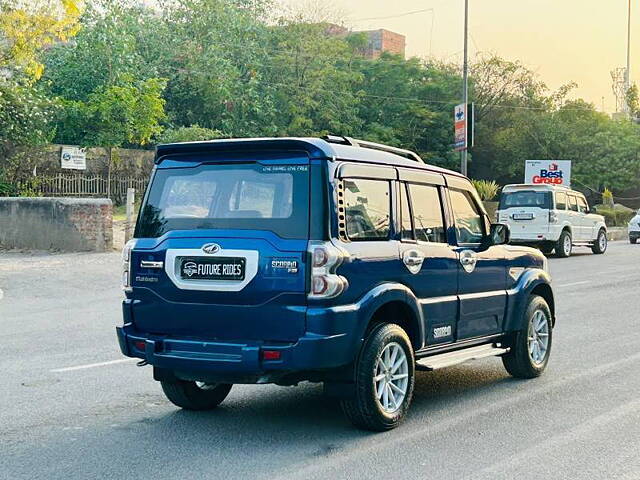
62,224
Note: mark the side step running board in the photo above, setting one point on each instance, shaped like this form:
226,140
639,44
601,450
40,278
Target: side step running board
459,356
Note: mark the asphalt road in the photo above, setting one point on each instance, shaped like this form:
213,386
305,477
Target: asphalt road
72,407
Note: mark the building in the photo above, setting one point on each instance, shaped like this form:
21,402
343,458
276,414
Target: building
382,40
378,41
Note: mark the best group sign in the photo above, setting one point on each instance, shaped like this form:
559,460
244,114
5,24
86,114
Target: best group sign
460,127
552,172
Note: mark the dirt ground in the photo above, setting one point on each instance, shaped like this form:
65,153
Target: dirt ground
118,234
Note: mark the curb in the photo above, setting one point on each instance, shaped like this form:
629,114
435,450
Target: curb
617,233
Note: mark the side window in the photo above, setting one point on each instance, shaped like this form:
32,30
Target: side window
368,209
561,201
427,213
407,226
573,203
582,204
469,222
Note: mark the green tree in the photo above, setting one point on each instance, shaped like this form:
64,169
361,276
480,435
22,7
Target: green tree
119,115
24,118
119,41
633,101
192,133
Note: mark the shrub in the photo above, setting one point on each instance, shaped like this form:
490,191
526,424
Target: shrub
6,189
615,217
607,198
487,189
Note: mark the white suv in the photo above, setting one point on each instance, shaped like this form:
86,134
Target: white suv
634,228
551,218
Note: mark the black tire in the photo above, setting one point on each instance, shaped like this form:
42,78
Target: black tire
518,362
364,409
600,245
195,396
633,240
563,250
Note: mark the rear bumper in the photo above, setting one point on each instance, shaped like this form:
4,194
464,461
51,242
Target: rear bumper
550,234
238,362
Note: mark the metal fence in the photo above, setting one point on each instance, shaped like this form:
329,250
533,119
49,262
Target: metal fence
83,185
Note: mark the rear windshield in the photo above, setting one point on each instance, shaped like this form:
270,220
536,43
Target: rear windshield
525,198
229,196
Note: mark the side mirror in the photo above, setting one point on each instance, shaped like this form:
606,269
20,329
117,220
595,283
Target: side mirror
499,234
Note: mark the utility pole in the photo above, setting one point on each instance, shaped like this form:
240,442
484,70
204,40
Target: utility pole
465,87
627,79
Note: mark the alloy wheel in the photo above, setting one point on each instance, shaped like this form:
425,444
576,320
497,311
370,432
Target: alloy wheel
602,241
567,245
538,336
391,377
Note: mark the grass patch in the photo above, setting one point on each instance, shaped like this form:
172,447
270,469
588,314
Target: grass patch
120,212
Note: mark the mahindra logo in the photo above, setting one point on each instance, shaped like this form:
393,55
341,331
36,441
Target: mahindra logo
211,248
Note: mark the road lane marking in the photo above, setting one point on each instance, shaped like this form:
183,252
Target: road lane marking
561,439
369,448
573,284
93,365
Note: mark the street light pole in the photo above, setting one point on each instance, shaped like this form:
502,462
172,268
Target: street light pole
628,75
465,89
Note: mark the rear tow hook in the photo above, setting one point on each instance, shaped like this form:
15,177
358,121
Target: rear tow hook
142,363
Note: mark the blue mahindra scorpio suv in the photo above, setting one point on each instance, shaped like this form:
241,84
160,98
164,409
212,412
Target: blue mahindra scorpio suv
329,260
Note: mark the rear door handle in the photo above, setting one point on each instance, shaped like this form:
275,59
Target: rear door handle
413,260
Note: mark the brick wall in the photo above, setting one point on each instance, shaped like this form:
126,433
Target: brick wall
62,224
384,41
393,42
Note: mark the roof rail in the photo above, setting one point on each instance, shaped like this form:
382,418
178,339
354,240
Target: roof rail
374,146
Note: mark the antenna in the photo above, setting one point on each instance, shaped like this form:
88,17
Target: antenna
619,87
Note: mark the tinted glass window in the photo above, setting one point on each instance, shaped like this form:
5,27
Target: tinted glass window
582,205
469,222
407,227
427,213
573,203
368,209
241,196
259,198
561,201
525,198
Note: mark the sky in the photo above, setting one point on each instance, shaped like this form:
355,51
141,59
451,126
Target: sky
561,40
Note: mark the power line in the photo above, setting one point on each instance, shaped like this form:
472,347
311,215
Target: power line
602,193
405,14
383,97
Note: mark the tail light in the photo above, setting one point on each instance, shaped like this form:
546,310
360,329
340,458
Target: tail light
126,265
325,259
553,217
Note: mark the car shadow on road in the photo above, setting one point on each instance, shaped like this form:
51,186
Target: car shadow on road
274,431
265,429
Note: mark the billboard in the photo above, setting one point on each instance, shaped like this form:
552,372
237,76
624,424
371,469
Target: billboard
552,172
